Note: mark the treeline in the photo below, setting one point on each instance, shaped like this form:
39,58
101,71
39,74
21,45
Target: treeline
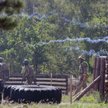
53,33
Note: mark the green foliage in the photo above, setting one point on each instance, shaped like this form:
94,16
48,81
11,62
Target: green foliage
33,37
8,9
7,23
92,98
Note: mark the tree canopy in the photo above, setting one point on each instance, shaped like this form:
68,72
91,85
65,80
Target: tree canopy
54,33
9,10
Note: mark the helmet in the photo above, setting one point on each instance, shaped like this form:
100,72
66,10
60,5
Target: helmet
1,59
81,57
25,62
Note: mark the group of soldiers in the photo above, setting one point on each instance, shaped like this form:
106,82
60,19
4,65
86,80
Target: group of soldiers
28,72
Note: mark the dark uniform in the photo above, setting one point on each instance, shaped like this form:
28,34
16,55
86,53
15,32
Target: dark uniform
4,75
27,72
4,71
83,68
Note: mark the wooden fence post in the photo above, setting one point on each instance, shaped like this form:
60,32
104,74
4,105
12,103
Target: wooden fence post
51,78
106,73
71,89
66,85
96,72
102,81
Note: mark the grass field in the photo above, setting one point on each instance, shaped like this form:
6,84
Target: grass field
90,101
74,105
62,105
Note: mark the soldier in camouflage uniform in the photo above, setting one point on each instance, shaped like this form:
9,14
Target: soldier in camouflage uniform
83,67
27,72
4,70
4,75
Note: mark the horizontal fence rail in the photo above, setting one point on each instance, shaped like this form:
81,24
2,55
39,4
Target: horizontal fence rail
59,81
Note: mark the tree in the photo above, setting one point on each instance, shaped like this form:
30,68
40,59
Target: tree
9,9
56,20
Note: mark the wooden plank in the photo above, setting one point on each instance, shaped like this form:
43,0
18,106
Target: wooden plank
58,79
17,83
40,75
39,79
56,83
11,83
47,81
40,82
43,82
53,79
86,89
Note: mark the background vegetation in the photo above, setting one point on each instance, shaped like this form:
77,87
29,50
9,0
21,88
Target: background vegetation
53,33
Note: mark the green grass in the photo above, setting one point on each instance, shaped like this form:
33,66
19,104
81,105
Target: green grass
88,101
62,105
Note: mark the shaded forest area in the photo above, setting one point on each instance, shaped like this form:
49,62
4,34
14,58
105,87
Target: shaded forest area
53,33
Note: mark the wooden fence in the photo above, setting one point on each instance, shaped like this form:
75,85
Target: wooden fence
59,81
101,69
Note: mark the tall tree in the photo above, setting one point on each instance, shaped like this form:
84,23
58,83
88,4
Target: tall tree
9,9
